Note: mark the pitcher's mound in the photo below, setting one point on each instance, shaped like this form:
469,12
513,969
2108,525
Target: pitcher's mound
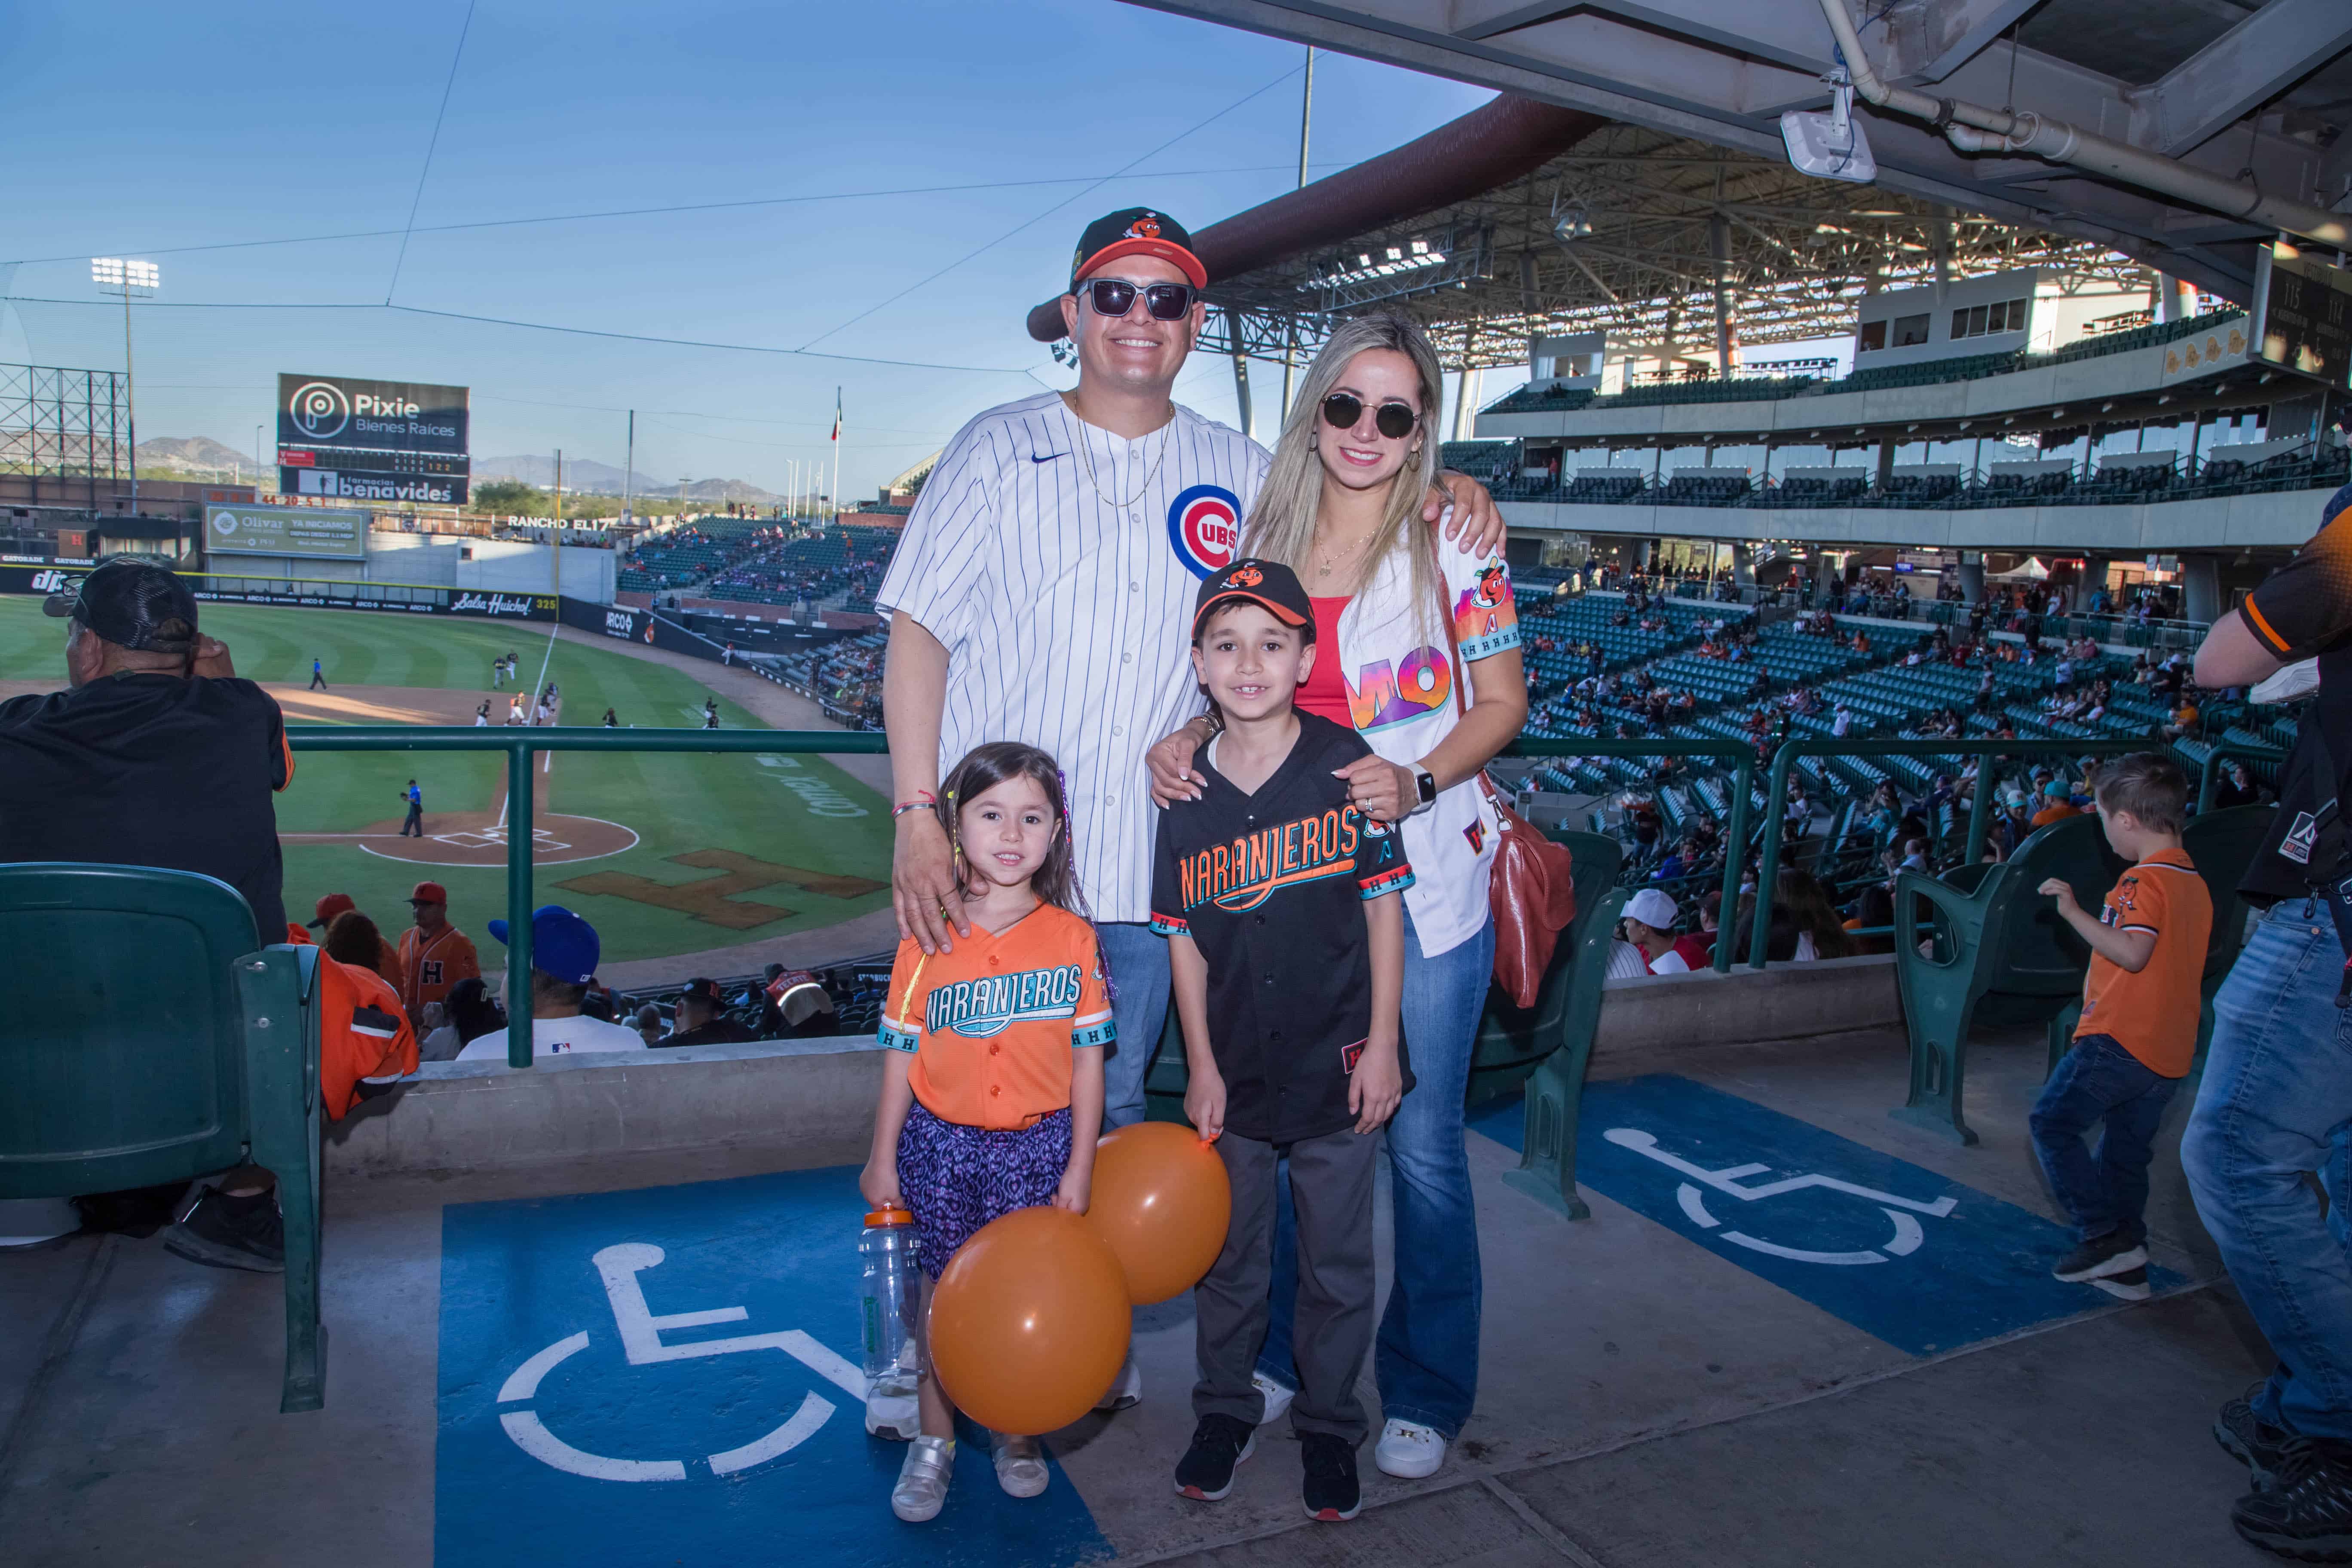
480,838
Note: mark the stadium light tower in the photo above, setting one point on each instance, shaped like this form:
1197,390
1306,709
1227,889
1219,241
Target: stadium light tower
113,275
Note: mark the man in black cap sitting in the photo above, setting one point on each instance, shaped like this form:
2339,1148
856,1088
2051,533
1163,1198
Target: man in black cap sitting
702,1018
157,754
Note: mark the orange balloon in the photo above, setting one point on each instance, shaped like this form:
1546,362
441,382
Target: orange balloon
1162,1201
1029,1323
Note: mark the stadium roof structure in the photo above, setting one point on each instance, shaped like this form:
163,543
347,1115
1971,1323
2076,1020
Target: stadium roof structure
2180,132
1623,233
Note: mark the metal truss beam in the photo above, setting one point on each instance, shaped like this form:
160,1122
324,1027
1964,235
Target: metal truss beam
1722,73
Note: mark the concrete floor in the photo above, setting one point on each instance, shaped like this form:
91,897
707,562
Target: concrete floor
1643,1401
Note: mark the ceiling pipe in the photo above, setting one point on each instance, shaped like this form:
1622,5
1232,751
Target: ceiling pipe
1492,145
1972,128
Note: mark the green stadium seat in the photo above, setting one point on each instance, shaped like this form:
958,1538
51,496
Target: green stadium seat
170,1044
2001,942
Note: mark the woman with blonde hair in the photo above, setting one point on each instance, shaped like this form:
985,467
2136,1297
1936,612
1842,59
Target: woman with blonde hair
1419,653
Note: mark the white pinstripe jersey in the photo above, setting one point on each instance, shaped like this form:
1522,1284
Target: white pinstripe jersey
1066,620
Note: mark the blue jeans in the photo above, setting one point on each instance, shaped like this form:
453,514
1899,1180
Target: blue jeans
1426,1356
2096,1082
1138,959
2275,1109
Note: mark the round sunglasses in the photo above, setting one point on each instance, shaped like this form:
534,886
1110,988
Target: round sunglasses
1116,297
1395,420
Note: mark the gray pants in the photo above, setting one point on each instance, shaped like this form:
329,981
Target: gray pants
1331,1188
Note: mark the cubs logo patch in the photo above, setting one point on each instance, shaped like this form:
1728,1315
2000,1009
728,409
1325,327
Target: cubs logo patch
1204,525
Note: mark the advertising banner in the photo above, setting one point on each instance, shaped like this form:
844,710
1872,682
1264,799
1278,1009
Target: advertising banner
212,588
342,437
322,533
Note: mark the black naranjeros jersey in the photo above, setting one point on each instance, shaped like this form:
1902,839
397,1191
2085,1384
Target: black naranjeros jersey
1271,888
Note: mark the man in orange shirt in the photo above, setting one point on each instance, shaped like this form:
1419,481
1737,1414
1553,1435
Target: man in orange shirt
434,954
2138,1033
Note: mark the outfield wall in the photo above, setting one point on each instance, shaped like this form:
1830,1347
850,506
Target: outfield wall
313,593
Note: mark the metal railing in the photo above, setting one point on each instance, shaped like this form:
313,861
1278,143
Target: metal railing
1983,749
1739,758
521,746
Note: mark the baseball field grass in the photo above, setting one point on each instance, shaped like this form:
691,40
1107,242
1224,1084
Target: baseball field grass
662,853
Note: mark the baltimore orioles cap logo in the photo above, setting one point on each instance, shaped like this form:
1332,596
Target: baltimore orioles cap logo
1245,576
1145,228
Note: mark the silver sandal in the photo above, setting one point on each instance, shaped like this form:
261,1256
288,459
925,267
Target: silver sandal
922,1488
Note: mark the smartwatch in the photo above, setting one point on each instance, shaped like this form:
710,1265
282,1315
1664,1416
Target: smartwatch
1425,786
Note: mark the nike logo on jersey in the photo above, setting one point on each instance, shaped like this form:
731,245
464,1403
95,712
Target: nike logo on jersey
1047,457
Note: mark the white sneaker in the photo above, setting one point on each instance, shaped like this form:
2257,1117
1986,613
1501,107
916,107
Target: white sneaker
922,1488
1277,1395
1126,1389
896,1417
1019,1464
1409,1451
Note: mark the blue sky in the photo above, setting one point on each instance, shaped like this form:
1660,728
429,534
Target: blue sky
136,129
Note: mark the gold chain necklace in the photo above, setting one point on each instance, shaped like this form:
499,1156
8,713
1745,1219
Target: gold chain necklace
1331,560
1085,455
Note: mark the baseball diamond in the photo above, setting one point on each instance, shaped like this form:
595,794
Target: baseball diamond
665,854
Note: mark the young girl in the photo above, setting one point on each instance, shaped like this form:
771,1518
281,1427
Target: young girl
993,1087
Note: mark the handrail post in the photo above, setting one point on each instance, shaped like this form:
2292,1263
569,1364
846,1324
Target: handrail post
2205,778
1768,866
1744,781
518,846
1979,810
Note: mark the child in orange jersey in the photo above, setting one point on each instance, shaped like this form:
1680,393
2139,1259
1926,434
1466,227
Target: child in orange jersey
2137,1035
993,1087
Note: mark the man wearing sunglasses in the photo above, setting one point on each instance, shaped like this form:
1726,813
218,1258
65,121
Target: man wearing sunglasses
1043,589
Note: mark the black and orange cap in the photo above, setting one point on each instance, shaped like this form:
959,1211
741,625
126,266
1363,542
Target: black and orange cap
1137,231
1266,582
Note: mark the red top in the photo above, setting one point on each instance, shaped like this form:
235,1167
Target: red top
1325,695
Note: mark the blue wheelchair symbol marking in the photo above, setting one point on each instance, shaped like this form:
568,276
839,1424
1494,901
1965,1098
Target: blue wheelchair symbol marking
1924,1262
666,1375
640,1334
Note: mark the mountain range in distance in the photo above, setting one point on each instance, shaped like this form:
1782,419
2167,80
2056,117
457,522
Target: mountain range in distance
580,474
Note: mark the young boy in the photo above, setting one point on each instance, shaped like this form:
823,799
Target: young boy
1276,894
2138,1028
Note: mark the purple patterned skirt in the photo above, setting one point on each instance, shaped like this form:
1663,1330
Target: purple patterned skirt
958,1178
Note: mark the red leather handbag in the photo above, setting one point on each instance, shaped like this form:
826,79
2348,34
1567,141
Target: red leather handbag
1533,894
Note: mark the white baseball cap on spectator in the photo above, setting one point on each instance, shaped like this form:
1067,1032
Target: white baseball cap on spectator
1653,908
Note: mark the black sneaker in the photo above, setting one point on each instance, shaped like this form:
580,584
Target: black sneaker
2113,1253
2249,1439
2306,1510
1205,1473
1331,1493
224,1232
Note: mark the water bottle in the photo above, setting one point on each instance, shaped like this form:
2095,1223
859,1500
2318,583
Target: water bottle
890,1299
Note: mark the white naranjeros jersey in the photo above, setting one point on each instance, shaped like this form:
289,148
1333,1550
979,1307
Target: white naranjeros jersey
1058,563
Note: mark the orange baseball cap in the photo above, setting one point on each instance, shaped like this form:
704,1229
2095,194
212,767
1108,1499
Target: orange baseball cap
329,906
428,893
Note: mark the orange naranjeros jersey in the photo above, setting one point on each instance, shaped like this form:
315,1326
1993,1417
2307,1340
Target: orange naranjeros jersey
2153,1014
362,1038
430,966
993,1023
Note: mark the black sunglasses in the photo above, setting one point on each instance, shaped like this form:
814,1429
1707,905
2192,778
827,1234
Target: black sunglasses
1116,297
1395,420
